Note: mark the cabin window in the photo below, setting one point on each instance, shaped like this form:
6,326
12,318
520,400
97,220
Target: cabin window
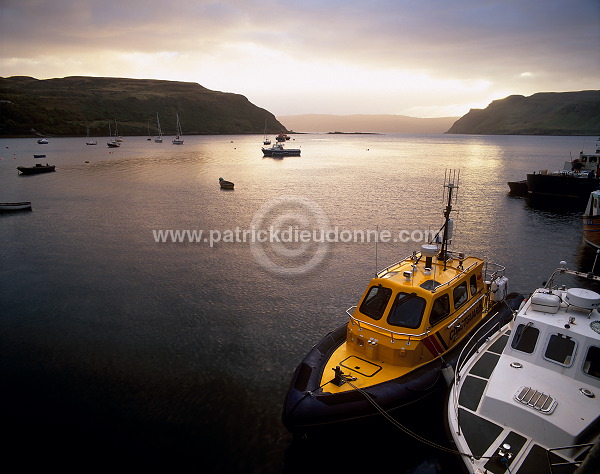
407,311
591,365
460,295
560,349
375,302
440,309
525,338
473,284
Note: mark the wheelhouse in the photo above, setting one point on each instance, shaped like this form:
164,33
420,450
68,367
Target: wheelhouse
415,310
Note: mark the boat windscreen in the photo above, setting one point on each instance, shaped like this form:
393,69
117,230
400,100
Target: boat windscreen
376,301
407,310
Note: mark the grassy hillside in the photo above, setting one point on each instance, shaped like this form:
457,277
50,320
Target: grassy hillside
545,113
68,106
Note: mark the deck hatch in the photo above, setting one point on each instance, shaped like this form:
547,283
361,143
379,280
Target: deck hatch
535,399
362,366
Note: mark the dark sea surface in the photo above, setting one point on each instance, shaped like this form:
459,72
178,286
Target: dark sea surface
118,350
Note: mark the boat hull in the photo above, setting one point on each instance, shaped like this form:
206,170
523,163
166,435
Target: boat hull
591,230
15,206
307,409
561,185
36,169
518,188
287,152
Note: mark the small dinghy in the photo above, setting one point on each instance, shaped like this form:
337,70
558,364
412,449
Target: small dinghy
38,168
15,206
225,184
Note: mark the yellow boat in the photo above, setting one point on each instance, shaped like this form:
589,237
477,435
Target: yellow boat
408,328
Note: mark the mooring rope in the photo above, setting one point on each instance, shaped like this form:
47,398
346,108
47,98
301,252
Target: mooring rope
403,428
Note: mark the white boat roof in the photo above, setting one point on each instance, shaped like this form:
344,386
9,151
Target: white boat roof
552,394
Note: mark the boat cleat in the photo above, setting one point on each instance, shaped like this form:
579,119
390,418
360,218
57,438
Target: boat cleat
340,377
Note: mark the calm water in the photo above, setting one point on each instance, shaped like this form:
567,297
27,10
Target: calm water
114,346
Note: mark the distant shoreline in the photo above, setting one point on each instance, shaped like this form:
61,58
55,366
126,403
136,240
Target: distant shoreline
355,133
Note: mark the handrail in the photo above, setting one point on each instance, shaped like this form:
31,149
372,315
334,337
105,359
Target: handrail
392,265
392,333
464,312
568,463
494,274
433,290
564,270
460,361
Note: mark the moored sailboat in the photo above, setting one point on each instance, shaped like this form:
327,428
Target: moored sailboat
158,139
179,138
266,140
88,140
407,329
112,143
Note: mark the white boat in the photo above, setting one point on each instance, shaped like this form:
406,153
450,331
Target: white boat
591,220
43,141
158,139
585,162
178,139
527,399
279,150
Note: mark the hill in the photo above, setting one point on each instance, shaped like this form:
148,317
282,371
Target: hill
71,105
366,123
544,113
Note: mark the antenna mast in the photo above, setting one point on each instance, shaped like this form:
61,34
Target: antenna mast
451,181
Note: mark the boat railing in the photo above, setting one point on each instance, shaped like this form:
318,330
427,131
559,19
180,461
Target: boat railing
360,322
492,270
386,269
449,282
466,311
474,343
381,273
565,271
572,449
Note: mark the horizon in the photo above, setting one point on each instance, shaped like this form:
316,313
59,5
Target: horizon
420,60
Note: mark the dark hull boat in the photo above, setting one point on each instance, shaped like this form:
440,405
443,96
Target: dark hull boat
568,184
15,206
225,184
36,169
278,150
518,188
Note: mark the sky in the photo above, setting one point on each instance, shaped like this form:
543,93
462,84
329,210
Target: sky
421,58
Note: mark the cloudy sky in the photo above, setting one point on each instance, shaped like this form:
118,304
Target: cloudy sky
423,58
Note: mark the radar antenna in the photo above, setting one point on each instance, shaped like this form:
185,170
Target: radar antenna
451,183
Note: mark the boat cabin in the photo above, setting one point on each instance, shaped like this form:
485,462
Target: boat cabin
593,205
585,162
416,309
